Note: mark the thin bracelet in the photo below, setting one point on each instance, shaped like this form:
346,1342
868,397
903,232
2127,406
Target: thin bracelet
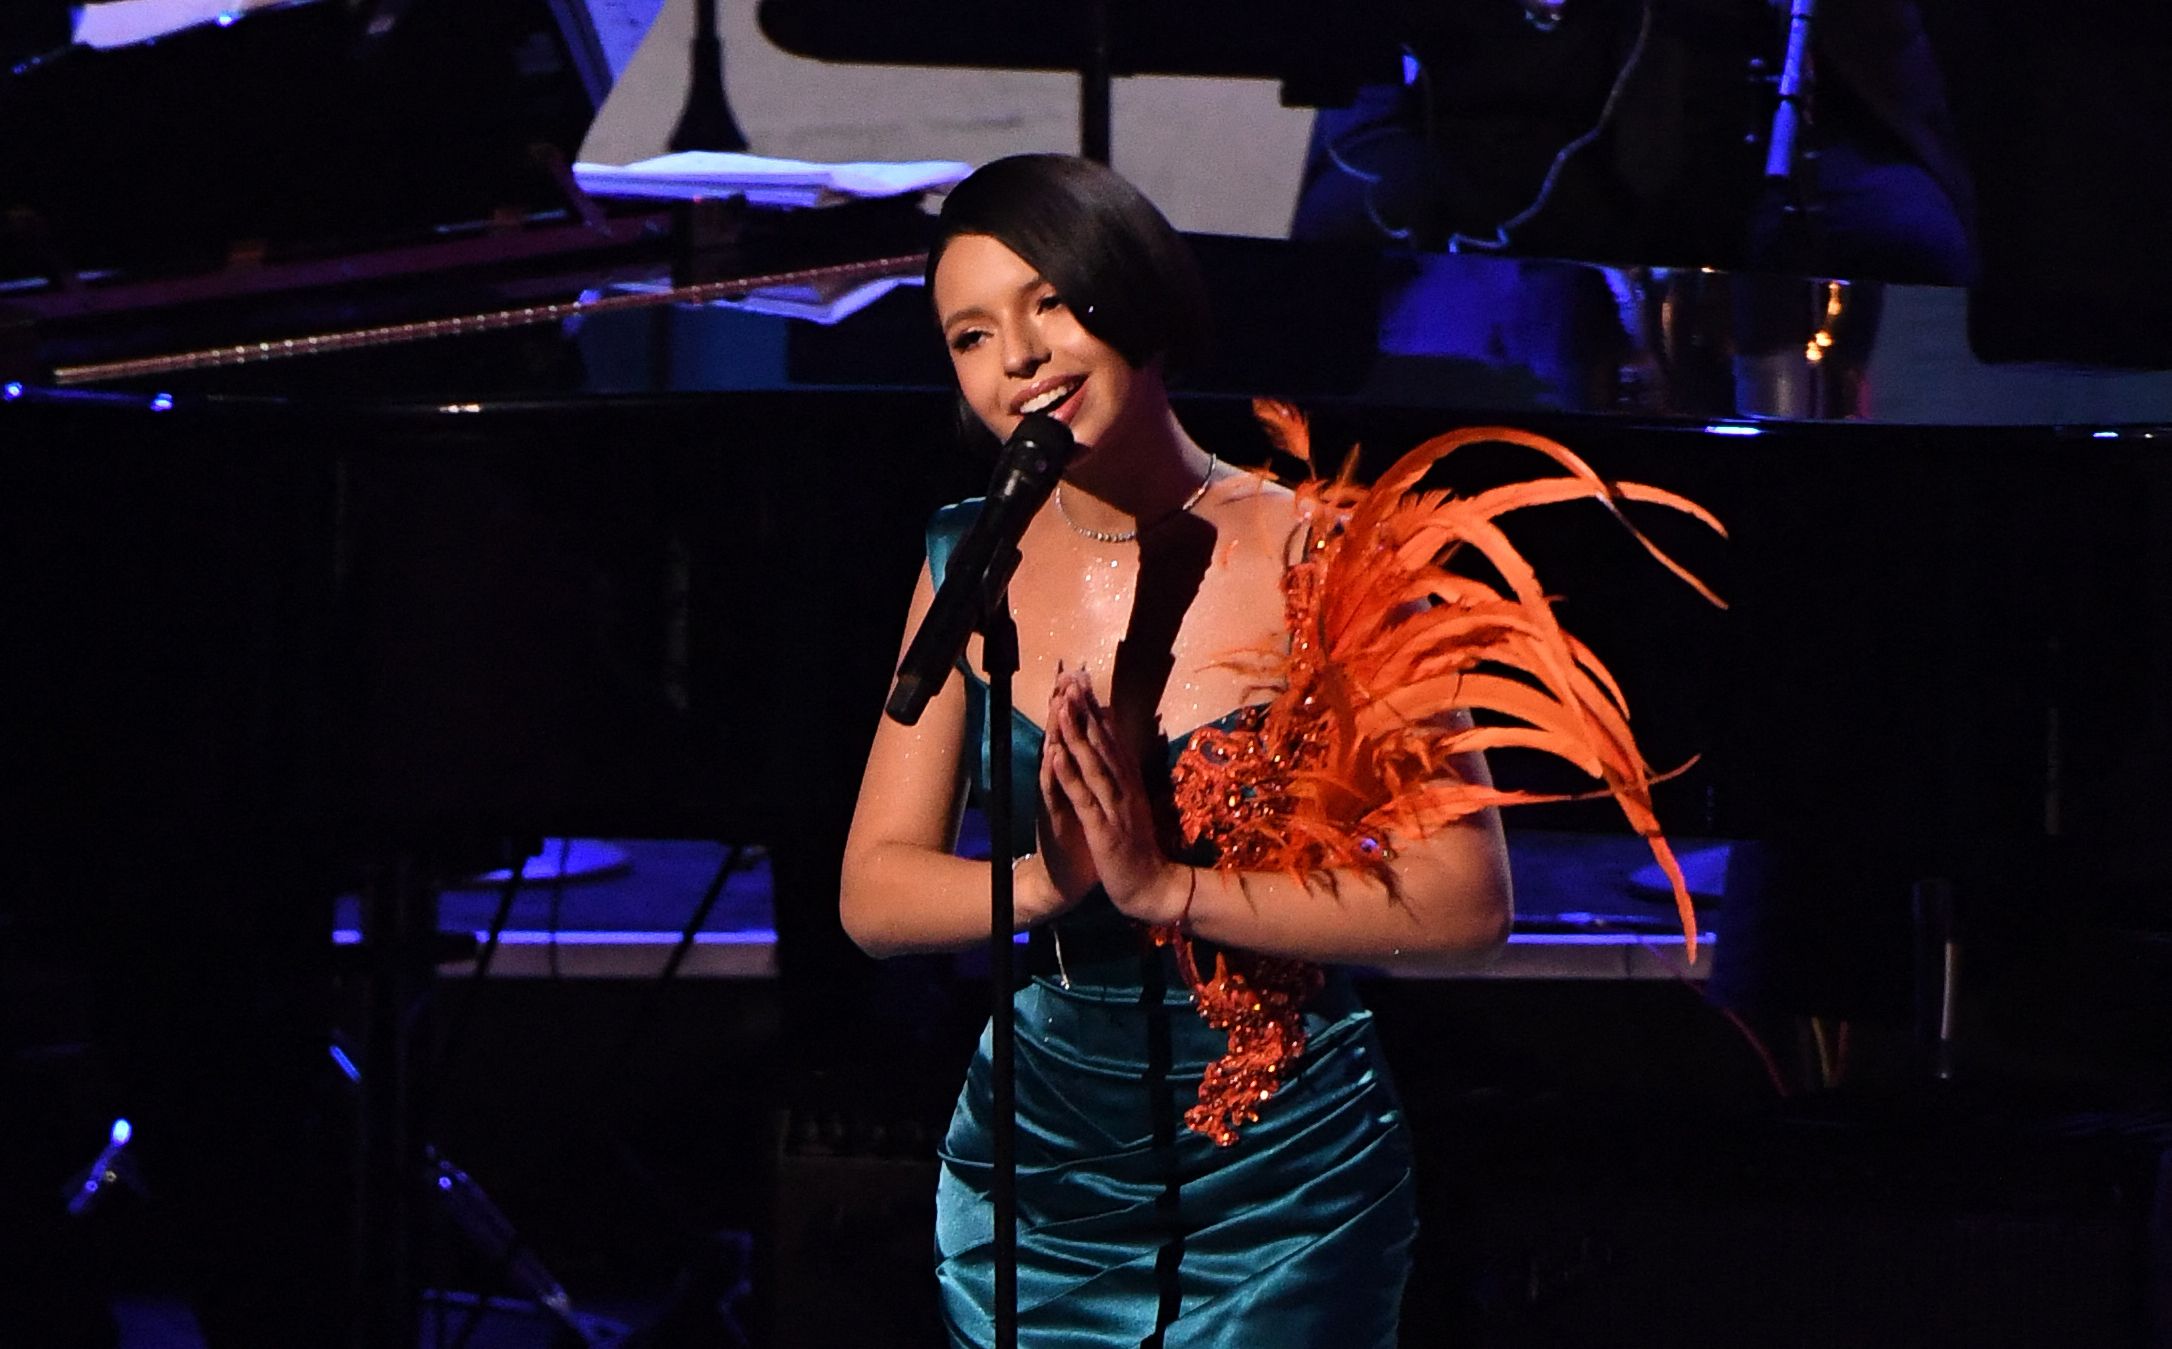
1183,921
1063,975
1017,862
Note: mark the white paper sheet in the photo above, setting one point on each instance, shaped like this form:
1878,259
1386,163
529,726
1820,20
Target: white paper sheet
789,183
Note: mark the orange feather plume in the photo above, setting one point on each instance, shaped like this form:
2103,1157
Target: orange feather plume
1389,651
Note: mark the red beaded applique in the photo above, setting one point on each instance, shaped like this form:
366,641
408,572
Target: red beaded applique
1260,1001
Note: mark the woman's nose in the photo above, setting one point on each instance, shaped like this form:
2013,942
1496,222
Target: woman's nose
1023,349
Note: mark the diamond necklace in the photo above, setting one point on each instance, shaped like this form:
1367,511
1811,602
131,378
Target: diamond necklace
1128,535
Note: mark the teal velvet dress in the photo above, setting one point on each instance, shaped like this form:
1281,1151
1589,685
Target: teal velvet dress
1132,1229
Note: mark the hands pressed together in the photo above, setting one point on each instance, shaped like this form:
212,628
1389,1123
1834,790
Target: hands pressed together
1096,818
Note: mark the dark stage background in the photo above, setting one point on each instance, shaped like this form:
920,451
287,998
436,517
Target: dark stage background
293,640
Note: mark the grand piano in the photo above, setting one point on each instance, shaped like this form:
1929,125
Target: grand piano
377,614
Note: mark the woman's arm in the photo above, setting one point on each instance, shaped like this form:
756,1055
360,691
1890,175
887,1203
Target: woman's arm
1451,898
903,889
1451,904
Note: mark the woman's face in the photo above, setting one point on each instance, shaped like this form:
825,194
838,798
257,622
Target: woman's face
1017,347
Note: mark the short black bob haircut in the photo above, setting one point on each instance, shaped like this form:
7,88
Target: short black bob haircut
1116,261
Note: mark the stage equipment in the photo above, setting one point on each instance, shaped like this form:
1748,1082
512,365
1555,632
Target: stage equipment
1320,56
111,1168
707,123
408,599
975,597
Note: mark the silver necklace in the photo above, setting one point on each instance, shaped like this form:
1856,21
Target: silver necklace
1128,535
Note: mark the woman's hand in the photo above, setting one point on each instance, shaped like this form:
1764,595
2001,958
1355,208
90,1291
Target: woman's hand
1065,856
1035,896
1103,796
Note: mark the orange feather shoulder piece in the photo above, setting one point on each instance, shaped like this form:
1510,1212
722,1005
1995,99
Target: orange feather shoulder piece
1391,648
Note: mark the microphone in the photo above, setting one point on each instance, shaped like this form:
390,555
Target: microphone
981,565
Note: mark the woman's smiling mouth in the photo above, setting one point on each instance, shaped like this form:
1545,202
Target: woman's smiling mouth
1047,395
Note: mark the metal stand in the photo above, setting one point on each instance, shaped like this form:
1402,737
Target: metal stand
398,926
1937,976
1096,86
999,661
1782,156
1788,166
457,1197
975,593
707,122
398,1167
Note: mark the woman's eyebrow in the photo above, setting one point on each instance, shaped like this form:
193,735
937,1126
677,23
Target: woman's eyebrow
1026,287
971,311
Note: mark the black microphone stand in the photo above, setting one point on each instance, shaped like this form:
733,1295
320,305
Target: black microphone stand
999,662
1788,166
980,571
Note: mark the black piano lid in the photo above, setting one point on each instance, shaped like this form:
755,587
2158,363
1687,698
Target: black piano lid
292,127
1447,336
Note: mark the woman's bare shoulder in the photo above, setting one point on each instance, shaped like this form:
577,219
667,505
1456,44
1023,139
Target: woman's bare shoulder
1258,515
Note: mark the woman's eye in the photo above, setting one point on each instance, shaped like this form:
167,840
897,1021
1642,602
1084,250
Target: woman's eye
966,339
1049,301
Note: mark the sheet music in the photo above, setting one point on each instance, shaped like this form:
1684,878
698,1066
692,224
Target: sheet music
787,183
123,23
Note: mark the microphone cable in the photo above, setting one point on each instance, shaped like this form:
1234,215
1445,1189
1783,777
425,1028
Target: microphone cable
1460,242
